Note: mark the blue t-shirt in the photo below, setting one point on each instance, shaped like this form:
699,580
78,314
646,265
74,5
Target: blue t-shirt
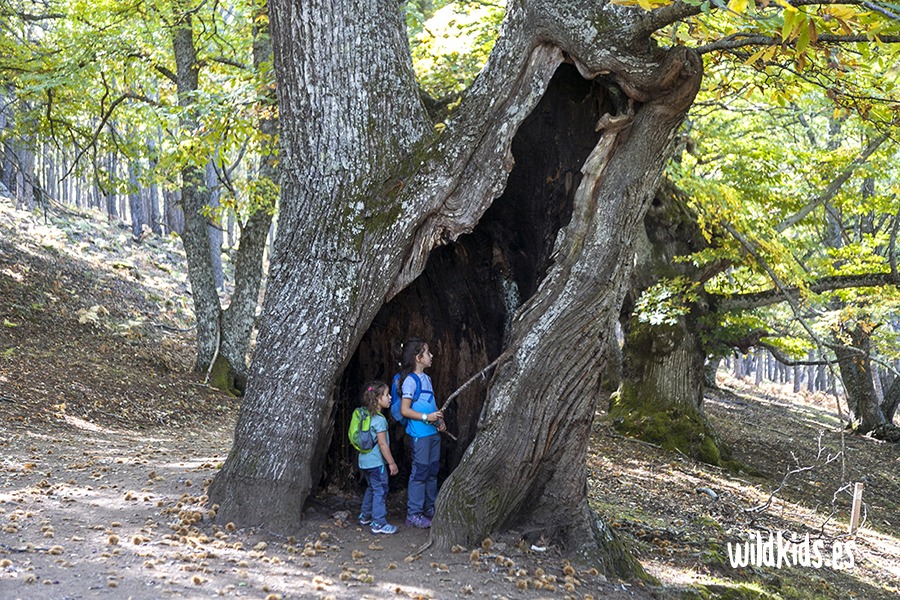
374,459
425,404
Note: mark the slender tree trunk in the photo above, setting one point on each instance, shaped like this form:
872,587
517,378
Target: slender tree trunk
25,177
112,201
6,113
239,318
709,372
135,201
194,199
214,190
660,398
891,401
153,215
811,373
174,211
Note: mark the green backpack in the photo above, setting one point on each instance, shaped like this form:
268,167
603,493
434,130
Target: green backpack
360,432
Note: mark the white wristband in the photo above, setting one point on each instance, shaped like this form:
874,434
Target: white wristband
424,418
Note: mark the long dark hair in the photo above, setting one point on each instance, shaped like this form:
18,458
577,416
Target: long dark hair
371,393
409,350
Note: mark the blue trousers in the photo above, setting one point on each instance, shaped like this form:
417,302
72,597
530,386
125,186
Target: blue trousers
426,461
376,493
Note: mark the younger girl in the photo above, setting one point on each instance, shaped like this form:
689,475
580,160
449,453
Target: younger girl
377,396
424,421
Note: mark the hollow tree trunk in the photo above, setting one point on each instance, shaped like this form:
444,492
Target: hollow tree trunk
369,191
525,468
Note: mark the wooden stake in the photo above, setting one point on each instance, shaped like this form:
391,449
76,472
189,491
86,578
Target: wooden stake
857,504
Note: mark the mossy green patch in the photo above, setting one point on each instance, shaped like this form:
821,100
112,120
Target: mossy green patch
672,427
222,376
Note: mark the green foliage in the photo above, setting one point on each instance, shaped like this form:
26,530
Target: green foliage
98,78
451,42
781,51
666,301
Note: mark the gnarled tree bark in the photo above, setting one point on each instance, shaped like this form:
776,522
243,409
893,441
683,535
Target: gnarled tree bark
370,190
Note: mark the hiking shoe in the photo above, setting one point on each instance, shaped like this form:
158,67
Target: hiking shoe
419,521
384,528
364,520
429,513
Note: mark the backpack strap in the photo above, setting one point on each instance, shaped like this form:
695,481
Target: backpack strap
418,391
363,415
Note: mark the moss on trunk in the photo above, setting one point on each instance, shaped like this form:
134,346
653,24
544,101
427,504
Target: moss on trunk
674,427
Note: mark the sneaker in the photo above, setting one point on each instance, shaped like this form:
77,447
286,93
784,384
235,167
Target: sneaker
384,528
364,520
429,513
419,521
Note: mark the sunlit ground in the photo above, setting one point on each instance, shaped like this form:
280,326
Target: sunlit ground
658,502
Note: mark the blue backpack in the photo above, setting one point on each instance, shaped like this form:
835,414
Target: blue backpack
397,394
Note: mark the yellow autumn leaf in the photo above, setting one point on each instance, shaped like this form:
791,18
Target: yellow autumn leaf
841,12
755,57
790,15
738,6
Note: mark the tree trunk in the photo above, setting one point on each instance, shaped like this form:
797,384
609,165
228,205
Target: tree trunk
174,211
660,398
112,207
6,118
369,191
135,201
709,372
239,318
856,374
891,401
212,192
153,216
194,198
25,177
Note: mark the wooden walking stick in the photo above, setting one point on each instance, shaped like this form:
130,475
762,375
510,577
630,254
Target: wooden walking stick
468,382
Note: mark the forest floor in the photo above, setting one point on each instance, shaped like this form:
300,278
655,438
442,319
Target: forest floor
108,441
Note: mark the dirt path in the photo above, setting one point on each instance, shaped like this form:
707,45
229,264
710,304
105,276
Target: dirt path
93,512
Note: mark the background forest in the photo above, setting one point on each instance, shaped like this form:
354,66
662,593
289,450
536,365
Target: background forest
756,358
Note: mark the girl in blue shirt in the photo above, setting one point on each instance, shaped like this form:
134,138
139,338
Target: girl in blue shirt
423,424
377,396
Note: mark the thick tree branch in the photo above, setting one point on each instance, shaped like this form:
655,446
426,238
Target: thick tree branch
823,284
32,18
785,360
228,62
741,40
666,15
